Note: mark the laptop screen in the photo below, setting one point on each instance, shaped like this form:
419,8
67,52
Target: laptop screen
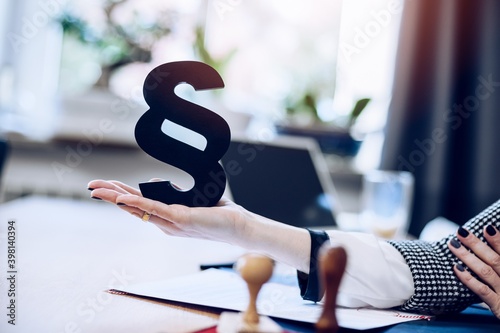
281,181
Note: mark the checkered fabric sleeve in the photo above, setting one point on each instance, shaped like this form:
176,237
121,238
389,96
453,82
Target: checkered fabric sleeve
437,289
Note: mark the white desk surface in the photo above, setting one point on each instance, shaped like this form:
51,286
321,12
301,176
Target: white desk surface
70,251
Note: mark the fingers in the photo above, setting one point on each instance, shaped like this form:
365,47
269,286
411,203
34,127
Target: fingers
480,260
108,193
109,190
492,235
113,185
130,199
126,188
483,260
177,220
172,219
119,186
113,192
168,212
489,256
484,292
485,272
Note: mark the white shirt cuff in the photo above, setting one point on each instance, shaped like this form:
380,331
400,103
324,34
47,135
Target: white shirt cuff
376,274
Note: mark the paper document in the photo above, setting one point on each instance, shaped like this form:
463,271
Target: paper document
226,290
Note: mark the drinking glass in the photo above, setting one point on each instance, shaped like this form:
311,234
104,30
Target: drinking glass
386,203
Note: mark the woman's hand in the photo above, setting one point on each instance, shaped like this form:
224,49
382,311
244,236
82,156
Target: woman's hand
484,261
223,222
226,222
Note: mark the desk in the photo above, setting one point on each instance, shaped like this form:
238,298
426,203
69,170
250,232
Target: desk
69,251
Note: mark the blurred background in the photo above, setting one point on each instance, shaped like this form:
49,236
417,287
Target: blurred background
381,84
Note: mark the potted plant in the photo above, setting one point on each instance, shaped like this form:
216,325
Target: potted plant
112,43
335,137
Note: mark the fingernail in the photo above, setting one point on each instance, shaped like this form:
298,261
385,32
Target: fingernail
456,244
96,198
460,267
490,230
121,204
90,189
462,232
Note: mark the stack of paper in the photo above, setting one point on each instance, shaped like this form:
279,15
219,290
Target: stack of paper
226,290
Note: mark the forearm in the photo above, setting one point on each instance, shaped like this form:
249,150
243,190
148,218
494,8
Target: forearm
282,242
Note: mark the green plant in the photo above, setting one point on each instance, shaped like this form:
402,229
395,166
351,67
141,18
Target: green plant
204,55
116,44
357,110
307,105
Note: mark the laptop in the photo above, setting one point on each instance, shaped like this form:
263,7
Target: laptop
285,179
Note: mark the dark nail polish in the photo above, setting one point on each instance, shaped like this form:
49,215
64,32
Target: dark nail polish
90,189
120,204
462,232
456,244
96,198
460,267
490,230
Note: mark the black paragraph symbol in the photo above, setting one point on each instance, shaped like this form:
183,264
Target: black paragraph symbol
202,163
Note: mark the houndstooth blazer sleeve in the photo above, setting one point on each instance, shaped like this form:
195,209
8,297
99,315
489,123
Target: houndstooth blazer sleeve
437,289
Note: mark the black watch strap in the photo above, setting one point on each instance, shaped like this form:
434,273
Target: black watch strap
310,283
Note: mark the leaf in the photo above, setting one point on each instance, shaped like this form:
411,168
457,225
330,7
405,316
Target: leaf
358,108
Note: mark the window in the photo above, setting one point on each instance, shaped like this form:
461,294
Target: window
367,50
29,67
270,54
